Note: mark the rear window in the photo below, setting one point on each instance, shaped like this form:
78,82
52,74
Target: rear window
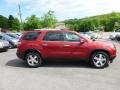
31,36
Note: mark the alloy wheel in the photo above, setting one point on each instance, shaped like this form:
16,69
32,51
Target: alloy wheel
99,60
33,59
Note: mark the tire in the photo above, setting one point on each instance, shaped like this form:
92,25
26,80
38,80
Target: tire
11,45
99,59
33,59
117,37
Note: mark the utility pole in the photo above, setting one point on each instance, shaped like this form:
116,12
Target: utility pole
20,15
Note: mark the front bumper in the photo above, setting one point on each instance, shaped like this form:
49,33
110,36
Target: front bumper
14,45
112,59
113,53
4,48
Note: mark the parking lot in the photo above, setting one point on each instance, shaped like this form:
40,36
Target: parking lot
15,75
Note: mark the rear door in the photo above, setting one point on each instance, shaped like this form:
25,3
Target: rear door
53,44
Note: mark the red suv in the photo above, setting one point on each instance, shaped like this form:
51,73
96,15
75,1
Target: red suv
36,46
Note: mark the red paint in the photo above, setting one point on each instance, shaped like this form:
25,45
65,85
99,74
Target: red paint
64,49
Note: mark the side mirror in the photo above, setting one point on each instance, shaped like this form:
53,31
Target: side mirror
82,41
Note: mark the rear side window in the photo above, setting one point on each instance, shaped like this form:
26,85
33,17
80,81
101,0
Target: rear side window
53,36
31,36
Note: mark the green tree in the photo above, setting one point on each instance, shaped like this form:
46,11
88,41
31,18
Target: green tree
10,21
32,22
3,22
83,27
105,22
49,20
70,26
16,24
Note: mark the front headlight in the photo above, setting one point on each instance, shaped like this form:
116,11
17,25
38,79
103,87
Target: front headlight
1,45
113,46
6,44
15,42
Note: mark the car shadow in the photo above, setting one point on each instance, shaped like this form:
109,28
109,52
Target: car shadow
16,63
65,64
50,63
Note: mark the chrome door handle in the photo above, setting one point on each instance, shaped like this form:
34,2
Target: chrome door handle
66,45
44,44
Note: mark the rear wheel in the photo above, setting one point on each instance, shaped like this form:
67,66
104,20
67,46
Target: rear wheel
33,59
100,59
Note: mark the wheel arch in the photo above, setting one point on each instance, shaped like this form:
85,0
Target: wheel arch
97,50
32,50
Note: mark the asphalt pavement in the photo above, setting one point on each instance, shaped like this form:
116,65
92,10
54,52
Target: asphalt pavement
15,75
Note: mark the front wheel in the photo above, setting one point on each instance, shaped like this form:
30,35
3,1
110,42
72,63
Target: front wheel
33,59
100,59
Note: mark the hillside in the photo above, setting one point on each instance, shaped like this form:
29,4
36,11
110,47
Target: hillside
105,22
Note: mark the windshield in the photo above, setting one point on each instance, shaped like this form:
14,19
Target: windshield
8,37
13,36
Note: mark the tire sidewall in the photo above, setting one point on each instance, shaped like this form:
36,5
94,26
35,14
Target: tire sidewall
38,56
100,52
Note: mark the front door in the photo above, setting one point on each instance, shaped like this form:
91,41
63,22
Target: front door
73,48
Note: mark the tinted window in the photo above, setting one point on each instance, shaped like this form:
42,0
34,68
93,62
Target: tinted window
68,36
53,36
0,37
31,36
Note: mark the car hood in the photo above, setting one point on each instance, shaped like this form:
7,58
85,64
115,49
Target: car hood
3,41
102,44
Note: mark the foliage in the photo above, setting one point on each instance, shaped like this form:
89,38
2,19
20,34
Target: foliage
49,20
16,24
106,22
3,22
32,22
10,21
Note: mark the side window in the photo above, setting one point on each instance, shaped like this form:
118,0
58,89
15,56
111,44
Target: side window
68,36
0,37
31,36
53,36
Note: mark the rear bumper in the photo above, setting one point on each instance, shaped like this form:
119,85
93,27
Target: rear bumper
19,55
